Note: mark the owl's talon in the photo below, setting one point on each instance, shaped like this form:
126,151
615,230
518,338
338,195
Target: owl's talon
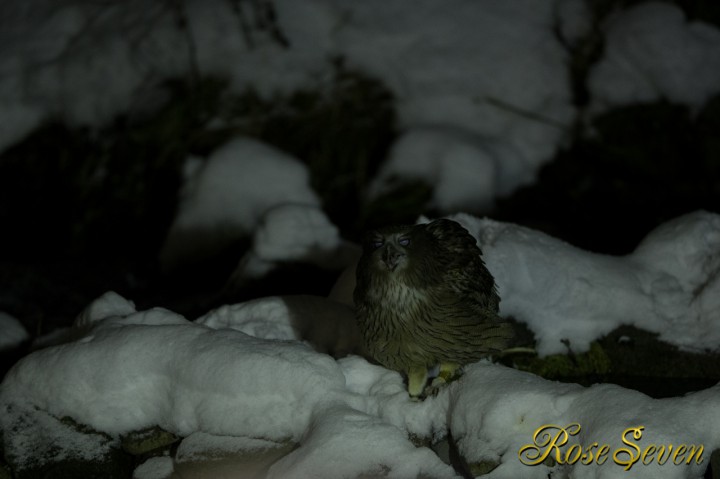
438,382
434,387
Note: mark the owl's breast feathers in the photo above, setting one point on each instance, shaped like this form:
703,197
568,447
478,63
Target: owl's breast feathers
443,308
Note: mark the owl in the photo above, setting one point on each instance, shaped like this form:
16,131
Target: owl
424,299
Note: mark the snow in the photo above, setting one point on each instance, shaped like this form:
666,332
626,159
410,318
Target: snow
460,64
174,383
279,407
493,71
294,233
653,52
492,398
668,285
12,333
108,305
478,66
327,325
224,198
344,442
460,167
160,467
481,84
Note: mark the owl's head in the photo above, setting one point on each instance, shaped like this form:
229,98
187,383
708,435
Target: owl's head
416,252
394,249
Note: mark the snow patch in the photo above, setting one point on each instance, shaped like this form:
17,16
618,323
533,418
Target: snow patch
669,285
225,198
12,332
233,397
459,166
653,52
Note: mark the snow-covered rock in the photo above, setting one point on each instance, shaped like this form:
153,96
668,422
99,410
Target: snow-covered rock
224,198
459,166
669,285
495,69
653,52
327,325
492,398
108,305
293,233
233,397
12,333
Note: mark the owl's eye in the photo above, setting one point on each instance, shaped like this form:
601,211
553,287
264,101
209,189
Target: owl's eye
404,241
376,243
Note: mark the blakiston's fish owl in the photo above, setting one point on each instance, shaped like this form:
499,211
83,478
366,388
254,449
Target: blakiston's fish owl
425,298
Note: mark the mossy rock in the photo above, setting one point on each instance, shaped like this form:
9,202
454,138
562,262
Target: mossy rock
593,363
152,439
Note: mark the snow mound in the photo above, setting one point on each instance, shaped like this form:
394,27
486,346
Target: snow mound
224,198
512,87
293,233
490,398
669,285
234,398
345,441
459,64
264,318
327,325
12,333
108,305
651,53
141,375
459,166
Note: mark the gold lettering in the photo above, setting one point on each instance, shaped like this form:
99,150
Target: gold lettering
647,456
587,458
575,449
631,458
602,454
662,457
543,438
679,454
549,439
692,450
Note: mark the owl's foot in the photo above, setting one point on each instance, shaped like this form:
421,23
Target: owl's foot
417,376
434,387
449,372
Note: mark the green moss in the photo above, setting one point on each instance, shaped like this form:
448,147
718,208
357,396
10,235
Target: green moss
590,364
147,440
483,467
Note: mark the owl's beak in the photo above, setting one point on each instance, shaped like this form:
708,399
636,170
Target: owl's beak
392,257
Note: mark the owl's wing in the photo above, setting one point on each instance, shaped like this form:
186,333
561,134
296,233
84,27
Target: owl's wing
465,298
468,329
459,261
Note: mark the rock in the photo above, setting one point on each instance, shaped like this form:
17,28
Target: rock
39,445
147,440
204,456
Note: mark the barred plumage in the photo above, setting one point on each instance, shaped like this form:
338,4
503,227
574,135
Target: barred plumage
424,298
